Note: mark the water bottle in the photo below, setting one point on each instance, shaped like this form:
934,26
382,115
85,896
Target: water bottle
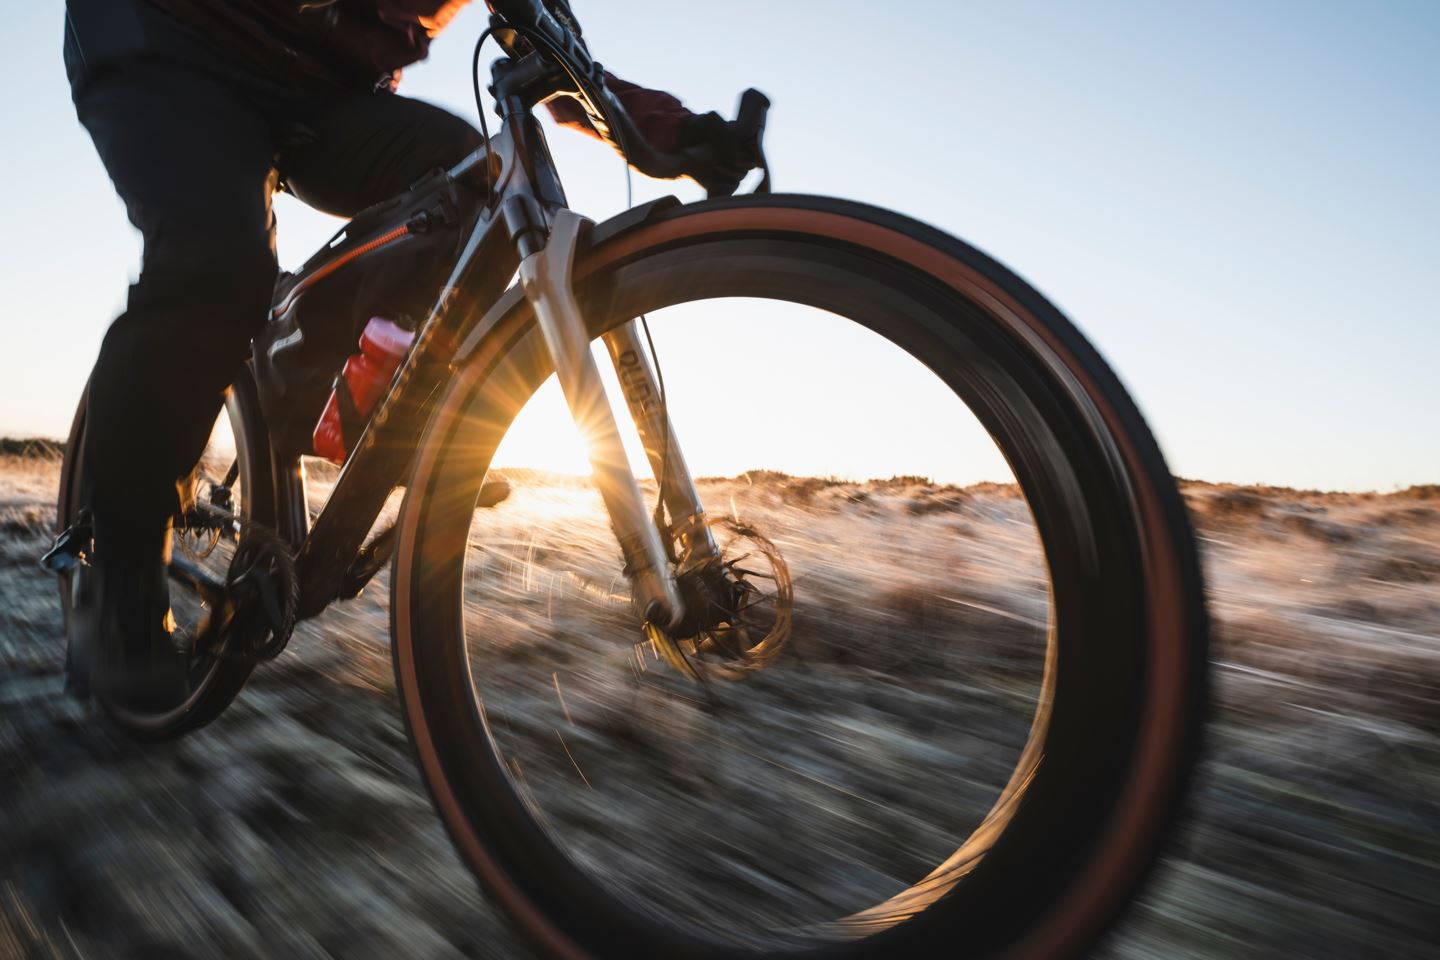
359,386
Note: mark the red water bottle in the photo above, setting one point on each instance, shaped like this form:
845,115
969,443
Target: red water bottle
366,376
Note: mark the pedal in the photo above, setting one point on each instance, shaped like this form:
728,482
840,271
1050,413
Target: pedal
71,548
374,555
370,561
493,493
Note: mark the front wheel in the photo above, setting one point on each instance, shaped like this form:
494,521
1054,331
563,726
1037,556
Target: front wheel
983,730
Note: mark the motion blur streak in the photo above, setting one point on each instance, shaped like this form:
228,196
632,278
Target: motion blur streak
296,826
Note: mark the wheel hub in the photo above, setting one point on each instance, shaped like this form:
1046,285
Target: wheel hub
738,608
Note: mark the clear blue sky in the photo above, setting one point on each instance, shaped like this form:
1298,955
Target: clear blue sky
1238,202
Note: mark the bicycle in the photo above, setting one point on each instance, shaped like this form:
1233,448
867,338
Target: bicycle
1097,784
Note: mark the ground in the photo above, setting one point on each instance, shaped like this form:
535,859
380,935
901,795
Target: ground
296,824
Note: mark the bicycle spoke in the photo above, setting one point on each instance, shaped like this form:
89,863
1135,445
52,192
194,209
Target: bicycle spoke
841,705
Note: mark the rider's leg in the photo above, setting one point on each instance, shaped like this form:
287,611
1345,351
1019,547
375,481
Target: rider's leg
368,147
193,163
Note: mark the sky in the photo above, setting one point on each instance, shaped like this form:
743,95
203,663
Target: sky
1236,202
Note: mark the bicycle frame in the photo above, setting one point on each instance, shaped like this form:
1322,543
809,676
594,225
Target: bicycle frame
525,225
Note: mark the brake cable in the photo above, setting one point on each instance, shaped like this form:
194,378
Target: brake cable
539,39
582,86
480,103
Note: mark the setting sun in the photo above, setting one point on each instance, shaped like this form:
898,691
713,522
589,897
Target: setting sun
763,396
849,600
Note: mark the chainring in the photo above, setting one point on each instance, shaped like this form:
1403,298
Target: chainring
262,598
255,615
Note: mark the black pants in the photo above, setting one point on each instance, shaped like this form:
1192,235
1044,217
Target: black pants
196,143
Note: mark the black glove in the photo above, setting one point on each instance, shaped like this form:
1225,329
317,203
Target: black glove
717,153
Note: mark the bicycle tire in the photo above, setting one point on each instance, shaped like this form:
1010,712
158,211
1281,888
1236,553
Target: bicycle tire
224,678
1100,785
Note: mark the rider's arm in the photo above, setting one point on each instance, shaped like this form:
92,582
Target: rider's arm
657,115
409,26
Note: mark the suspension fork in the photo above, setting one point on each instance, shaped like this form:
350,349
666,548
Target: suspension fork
642,395
545,276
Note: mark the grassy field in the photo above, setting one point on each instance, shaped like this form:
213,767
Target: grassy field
296,826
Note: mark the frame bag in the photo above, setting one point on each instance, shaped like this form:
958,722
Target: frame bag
390,261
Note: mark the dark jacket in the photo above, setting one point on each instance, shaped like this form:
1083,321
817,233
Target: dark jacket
343,43
351,42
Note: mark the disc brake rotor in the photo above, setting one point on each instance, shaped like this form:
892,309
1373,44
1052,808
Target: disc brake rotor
747,600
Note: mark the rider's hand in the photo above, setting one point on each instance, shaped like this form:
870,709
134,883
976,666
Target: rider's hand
718,154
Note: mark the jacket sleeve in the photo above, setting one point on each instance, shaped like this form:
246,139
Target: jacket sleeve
657,114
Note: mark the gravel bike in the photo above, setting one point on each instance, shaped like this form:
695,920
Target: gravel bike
1094,770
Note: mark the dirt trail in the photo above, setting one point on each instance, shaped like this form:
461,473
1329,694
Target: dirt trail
296,825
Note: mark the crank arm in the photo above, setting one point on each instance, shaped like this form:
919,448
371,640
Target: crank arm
545,276
202,581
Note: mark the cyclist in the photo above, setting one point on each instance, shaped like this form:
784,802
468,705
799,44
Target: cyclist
200,110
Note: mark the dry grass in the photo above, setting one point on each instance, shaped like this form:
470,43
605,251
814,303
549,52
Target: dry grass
296,823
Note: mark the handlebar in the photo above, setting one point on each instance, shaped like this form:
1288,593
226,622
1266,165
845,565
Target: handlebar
534,20
749,122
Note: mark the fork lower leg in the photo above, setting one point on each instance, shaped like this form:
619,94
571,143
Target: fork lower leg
545,276
642,394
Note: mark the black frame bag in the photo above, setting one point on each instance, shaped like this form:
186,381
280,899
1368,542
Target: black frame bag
387,262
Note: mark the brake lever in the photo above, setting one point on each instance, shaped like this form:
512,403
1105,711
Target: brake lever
750,118
763,187
750,123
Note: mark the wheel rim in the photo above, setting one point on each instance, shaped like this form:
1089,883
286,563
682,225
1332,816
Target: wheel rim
206,673
761,263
